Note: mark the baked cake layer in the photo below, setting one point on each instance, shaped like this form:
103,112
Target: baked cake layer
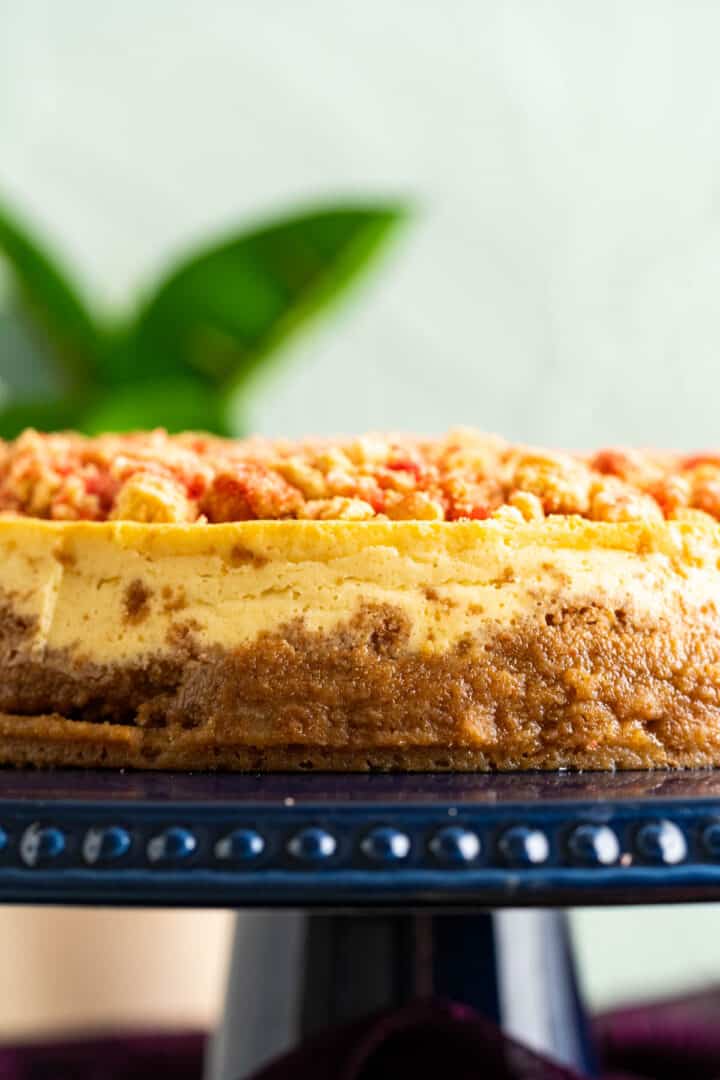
494,644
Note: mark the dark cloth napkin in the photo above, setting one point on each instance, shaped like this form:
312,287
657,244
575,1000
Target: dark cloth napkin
670,1040
428,1040
116,1057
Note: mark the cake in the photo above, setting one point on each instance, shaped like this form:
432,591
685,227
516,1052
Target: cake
384,602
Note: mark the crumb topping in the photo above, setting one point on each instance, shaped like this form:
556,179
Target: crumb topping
156,477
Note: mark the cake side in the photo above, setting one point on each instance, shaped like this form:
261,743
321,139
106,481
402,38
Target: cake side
491,644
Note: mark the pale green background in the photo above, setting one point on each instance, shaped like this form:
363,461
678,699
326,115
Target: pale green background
561,283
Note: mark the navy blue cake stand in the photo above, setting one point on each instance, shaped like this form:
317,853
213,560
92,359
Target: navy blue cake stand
403,879
421,841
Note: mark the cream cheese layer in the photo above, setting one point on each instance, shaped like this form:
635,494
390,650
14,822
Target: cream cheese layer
111,592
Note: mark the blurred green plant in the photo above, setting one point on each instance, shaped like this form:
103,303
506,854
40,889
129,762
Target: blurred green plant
186,356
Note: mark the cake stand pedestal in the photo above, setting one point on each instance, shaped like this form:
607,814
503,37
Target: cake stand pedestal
405,885
515,967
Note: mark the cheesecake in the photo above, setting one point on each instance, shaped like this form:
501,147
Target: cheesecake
388,602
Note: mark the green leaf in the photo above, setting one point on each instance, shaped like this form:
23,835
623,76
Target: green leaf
50,299
44,414
225,309
178,404
27,368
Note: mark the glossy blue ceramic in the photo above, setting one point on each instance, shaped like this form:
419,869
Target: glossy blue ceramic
435,840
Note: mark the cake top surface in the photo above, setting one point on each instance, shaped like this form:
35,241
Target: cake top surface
156,477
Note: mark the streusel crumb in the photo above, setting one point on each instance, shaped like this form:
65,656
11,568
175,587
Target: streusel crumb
156,477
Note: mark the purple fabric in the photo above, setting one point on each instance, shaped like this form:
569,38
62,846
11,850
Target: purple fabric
428,1039
116,1057
425,1040
664,1041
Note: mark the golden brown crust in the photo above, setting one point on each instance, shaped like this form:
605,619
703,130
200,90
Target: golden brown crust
52,741
586,687
157,478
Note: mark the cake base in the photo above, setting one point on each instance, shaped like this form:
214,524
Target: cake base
55,742
583,688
